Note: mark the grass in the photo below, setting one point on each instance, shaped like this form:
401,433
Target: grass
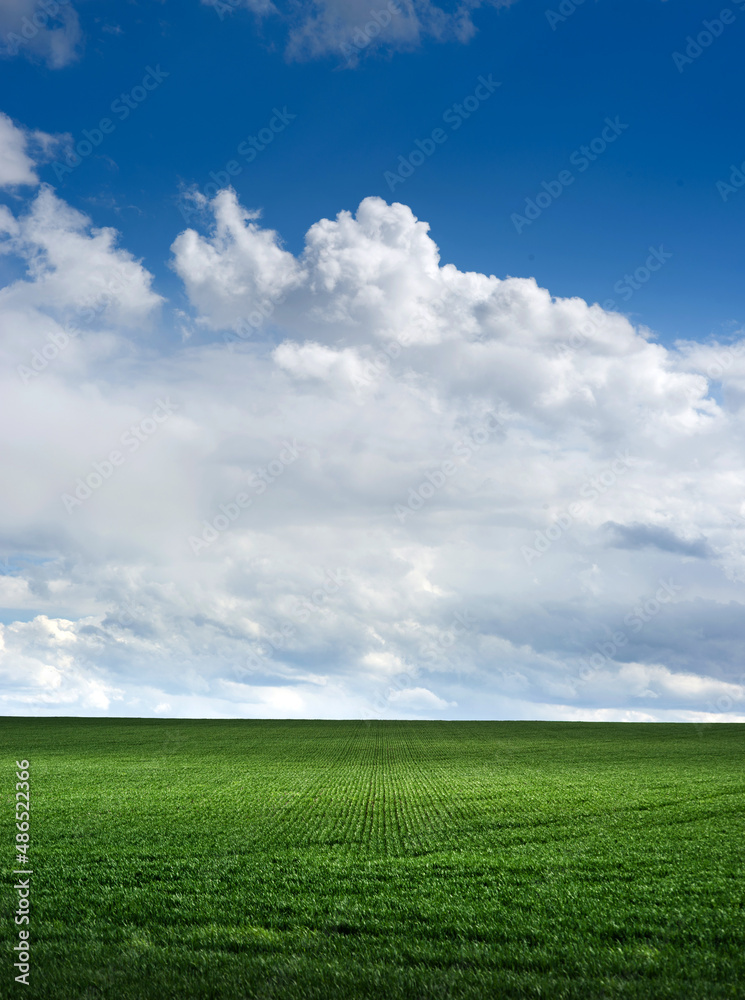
391,860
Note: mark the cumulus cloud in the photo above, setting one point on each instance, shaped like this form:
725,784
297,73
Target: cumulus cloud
42,665
379,485
16,166
351,29
73,269
49,32
239,269
20,151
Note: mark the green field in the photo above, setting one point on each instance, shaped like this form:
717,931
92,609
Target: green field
395,860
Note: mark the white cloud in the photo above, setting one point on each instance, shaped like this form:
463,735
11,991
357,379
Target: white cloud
17,166
50,32
239,269
446,488
351,29
74,267
418,699
42,665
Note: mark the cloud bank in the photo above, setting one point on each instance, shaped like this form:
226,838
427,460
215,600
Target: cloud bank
369,484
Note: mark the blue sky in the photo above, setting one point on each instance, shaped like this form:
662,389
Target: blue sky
308,409
656,185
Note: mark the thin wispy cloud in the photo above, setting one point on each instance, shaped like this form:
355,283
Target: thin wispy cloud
353,28
42,32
